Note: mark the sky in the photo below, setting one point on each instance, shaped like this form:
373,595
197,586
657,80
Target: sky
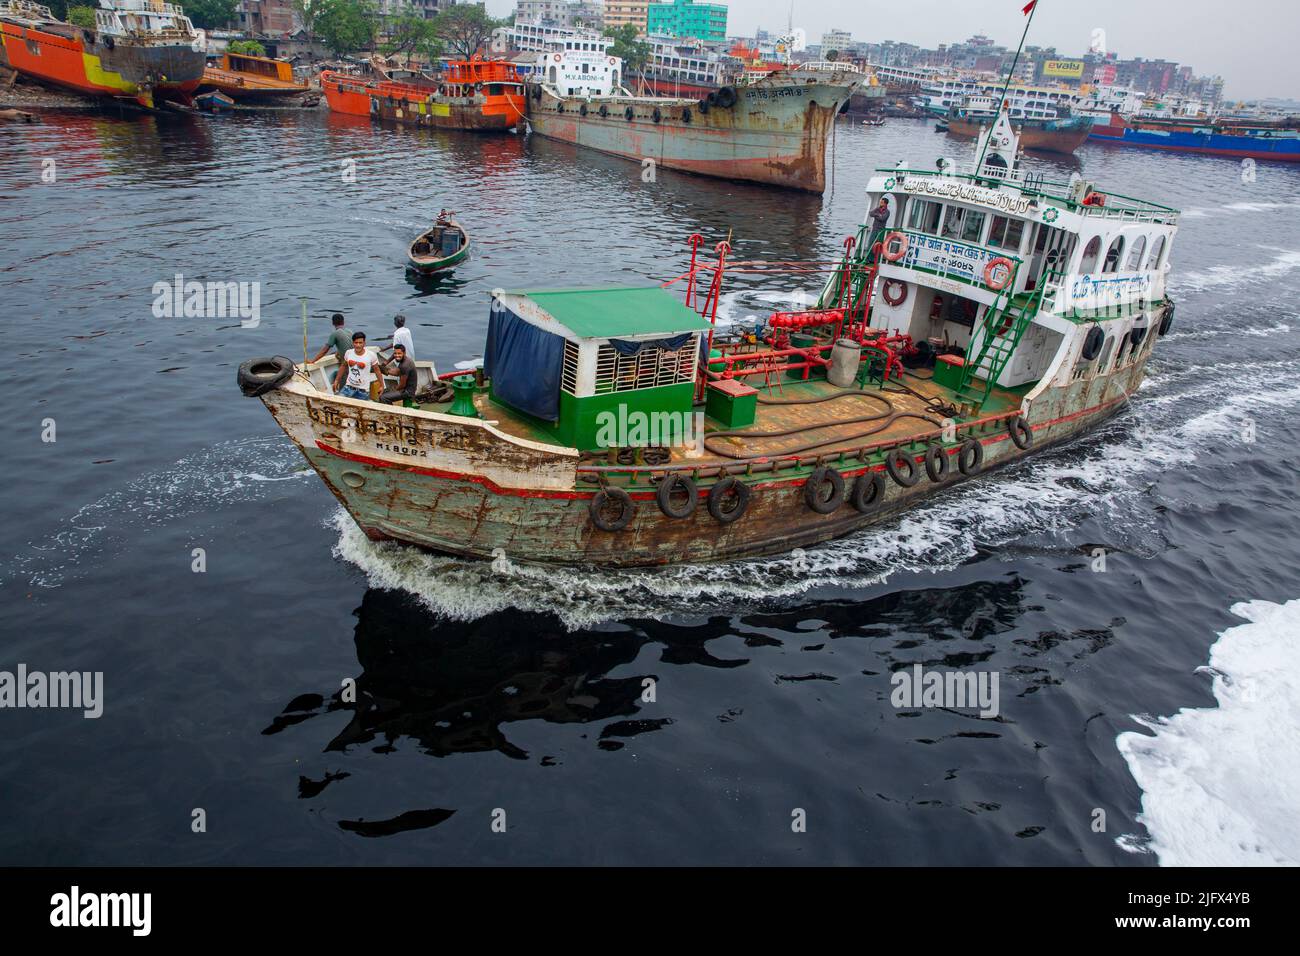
1250,43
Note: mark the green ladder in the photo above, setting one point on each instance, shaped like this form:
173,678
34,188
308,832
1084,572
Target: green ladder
999,341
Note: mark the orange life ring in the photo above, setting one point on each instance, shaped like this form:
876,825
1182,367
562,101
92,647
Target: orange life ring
902,248
990,273
1094,199
558,58
902,296
611,61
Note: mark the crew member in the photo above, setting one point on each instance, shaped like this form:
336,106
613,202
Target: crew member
402,366
357,366
339,340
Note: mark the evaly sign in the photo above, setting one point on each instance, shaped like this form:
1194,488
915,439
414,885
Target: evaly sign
947,187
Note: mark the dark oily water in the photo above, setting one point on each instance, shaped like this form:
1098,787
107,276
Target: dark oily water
510,693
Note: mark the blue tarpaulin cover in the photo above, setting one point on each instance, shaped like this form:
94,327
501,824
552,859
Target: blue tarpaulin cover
523,363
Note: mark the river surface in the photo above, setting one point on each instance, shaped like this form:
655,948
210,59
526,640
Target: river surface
515,695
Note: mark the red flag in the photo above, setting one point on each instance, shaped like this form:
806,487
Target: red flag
1029,6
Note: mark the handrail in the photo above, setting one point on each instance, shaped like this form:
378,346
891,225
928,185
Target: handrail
988,251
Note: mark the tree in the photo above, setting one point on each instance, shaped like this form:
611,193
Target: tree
634,52
307,11
411,35
346,25
247,47
832,56
465,27
210,14
83,17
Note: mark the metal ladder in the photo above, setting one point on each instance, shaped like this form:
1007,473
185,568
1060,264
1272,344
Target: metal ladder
1003,327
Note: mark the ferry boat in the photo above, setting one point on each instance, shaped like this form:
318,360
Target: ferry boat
242,76
772,129
1059,132
146,51
940,95
474,94
997,316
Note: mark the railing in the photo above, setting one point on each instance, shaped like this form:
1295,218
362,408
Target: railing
975,257
1118,206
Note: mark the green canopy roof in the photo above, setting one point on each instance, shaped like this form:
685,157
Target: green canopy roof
617,311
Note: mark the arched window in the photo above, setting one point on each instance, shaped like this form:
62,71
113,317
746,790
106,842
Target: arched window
1113,254
1104,358
1157,250
552,74
1090,253
1135,255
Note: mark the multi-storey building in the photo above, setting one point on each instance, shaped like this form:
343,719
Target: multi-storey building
838,40
687,19
621,12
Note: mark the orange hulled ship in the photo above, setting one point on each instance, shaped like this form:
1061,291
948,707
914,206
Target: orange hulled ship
140,50
471,94
250,78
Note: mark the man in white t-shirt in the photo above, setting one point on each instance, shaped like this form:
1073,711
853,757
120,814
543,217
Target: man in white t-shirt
359,367
402,336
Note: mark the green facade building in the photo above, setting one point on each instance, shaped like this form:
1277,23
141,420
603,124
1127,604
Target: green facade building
683,18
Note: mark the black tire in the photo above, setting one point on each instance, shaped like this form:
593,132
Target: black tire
625,515
812,490
664,496
902,468
727,97
718,494
970,457
1092,343
559,107
704,105
868,492
537,93
261,375
1020,432
1167,319
711,100
628,114
604,110
582,110
656,115
936,462
686,114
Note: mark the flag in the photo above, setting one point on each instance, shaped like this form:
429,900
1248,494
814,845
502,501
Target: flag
1029,7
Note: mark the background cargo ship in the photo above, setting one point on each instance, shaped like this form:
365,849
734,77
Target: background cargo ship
1208,137
771,130
144,50
1056,132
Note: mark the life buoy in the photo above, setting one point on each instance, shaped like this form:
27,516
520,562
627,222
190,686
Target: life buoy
970,456
1166,320
261,375
612,61
1092,343
726,97
868,492
627,509
936,462
995,279
902,295
719,494
888,251
902,468
1094,199
1020,432
557,58
816,485
664,496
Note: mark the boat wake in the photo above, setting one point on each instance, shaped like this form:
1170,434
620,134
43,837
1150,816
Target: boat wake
1224,277
1219,783
212,478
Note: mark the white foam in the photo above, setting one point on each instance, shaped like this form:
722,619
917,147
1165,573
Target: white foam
1226,277
1221,785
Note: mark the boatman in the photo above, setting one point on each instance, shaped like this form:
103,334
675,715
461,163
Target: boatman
879,216
339,340
402,366
360,367
402,337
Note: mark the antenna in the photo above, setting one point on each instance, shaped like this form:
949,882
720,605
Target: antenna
1029,10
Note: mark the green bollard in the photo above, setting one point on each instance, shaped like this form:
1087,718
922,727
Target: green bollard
462,402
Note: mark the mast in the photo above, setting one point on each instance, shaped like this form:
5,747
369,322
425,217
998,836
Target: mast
1029,10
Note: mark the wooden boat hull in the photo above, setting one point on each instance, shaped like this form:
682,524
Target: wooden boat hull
1049,136
249,88
425,266
464,487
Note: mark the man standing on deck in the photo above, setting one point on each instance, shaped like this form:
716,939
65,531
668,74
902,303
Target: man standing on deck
402,337
357,365
879,216
339,340
403,366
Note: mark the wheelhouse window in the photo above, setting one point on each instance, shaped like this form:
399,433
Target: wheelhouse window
1090,253
1006,233
924,216
963,224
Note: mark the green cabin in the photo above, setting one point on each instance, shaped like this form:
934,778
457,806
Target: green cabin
569,359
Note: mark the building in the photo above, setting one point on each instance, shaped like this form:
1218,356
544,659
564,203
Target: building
543,38
621,12
687,19
838,40
266,17
568,14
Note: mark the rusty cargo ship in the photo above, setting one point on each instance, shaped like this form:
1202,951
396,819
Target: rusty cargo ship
474,94
143,51
771,129
988,316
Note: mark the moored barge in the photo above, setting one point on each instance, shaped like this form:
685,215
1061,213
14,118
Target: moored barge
995,315
252,79
475,94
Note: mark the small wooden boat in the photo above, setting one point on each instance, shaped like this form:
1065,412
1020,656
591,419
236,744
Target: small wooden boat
17,116
941,126
214,102
440,249
873,121
255,78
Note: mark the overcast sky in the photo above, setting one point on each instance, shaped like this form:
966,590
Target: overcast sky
1251,43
